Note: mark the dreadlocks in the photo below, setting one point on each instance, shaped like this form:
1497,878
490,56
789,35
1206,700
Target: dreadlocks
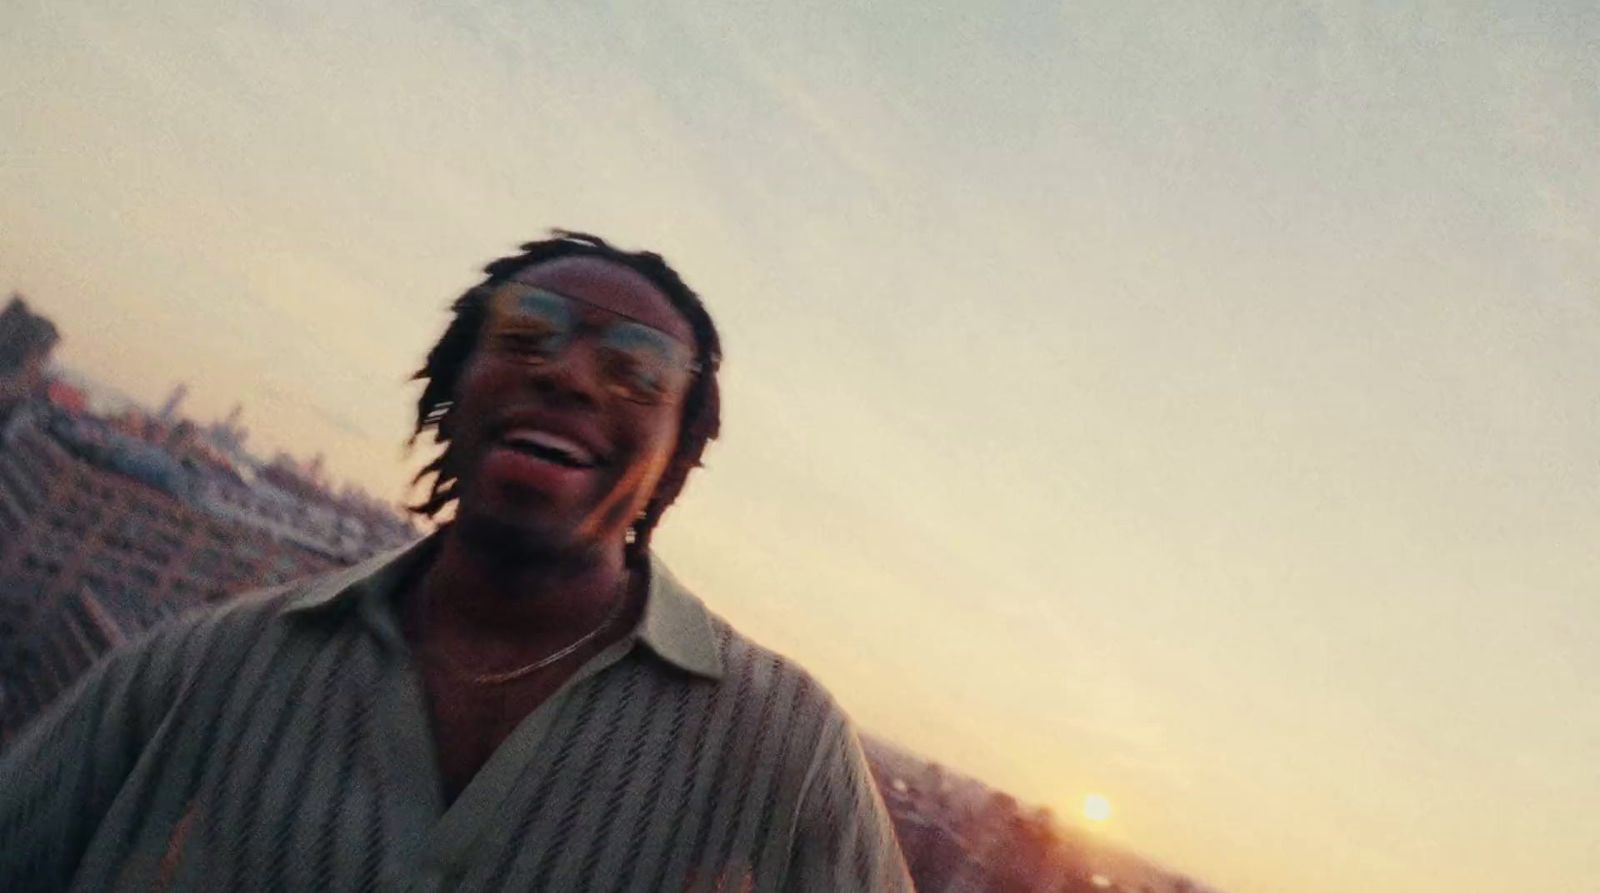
702,405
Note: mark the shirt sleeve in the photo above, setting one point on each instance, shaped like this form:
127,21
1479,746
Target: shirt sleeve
844,841
60,775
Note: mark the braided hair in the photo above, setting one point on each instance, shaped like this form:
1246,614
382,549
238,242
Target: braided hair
702,405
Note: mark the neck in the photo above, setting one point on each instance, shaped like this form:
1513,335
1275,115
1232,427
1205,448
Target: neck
477,592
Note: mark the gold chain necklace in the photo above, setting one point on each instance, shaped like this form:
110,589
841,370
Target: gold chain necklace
505,676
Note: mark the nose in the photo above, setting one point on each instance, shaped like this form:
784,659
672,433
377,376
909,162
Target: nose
573,376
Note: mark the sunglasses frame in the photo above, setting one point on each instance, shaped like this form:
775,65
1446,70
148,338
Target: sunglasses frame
504,303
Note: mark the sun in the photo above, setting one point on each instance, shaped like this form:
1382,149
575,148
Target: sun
1096,808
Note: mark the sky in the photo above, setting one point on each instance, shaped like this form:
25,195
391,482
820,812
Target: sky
1190,403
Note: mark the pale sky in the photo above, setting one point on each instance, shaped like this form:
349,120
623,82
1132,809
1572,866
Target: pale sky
1193,403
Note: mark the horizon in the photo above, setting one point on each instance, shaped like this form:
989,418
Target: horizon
1193,407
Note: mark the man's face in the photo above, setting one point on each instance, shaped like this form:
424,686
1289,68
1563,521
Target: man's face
554,452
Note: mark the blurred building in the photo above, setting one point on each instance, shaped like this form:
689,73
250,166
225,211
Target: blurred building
103,533
110,524
169,409
26,340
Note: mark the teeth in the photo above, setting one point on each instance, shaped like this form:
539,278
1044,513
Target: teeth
545,440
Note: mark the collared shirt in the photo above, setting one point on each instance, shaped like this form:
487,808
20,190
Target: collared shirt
281,742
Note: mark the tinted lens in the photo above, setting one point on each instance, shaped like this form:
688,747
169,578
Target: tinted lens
533,324
643,364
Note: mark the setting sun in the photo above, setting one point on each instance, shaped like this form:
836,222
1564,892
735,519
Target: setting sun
1096,808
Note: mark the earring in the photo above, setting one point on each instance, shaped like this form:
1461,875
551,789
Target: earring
443,425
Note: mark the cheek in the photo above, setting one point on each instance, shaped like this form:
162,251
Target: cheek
666,439
657,444
480,383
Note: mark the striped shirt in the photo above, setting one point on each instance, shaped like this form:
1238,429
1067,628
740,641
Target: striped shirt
281,742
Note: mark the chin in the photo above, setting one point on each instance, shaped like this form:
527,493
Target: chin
517,535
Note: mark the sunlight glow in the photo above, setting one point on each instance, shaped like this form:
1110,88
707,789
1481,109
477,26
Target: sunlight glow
1096,808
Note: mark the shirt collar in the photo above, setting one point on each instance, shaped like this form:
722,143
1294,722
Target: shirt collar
676,625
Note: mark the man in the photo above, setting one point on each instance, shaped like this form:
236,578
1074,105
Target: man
526,700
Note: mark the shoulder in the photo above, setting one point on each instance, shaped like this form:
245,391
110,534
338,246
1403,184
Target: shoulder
145,676
834,826
162,656
210,620
777,693
252,613
757,668
244,614
194,641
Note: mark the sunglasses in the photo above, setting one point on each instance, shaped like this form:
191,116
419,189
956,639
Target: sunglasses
638,363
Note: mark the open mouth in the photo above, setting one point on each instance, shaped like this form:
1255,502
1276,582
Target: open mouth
549,447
